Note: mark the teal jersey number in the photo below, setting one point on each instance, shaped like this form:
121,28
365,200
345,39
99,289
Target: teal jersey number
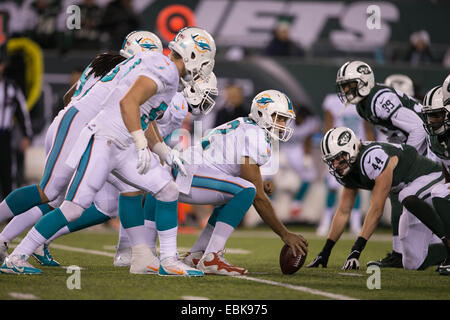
232,126
84,77
113,72
154,114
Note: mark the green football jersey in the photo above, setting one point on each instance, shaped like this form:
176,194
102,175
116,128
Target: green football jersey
373,158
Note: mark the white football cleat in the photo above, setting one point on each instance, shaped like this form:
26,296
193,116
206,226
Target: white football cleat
143,260
122,257
171,266
215,263
3,251
18,264
192,258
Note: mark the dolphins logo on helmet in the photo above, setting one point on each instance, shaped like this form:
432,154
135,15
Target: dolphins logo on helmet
263,101
201,43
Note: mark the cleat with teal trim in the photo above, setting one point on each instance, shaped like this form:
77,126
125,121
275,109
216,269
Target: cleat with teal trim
43,256
16,264
171,266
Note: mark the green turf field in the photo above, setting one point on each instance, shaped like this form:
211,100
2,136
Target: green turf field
256,249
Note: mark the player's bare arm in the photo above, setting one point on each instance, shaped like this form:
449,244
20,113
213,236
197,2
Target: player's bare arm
342,215
252,173
68,95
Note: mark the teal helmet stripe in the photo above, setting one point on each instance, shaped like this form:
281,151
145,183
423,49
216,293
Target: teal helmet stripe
290,106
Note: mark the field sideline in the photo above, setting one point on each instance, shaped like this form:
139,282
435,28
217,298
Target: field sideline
256,249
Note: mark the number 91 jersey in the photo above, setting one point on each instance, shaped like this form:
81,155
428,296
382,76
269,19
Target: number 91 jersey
225,146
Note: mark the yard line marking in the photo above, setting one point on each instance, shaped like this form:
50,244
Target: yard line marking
186,249
289,286
68,248
24,296
350,274
298,288
194,298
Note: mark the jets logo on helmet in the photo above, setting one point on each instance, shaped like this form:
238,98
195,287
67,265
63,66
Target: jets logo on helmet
263,101
437,115
201,43
363,69
344,138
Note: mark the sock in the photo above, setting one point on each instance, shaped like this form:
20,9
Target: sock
222,231
124,241
149,220
396,212
22,222
49,224
166,216
168,243
19,201
302,191
131,216
234,211
203,239
30,243
436,254
442,207
90,217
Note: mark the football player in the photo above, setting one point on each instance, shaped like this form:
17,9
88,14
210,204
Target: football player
26,205
437,125
336,114
392,112
134,94
381,168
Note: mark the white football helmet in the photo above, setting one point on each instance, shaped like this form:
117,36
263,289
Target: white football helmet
437,116
268,108
446,91
361,75
138,41
201,93
401,83
198,50
338,142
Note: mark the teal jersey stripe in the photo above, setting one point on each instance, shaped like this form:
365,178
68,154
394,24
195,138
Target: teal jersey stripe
61,135
73,188
216,185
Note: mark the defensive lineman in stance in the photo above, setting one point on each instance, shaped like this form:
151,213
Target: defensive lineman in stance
394,113
137,94
382,168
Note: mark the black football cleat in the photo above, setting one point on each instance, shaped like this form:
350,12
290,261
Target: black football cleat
392,260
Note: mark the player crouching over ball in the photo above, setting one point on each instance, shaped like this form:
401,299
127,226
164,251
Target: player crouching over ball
383,168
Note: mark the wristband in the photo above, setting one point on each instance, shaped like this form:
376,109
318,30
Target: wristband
139,139
161,149
359,245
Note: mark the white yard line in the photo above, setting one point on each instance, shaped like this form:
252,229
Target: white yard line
194,298
23,296
269,282
298,288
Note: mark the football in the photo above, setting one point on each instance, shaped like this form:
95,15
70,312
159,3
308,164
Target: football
288,263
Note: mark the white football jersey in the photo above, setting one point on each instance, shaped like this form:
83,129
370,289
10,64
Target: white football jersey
224,146
114,86
344,116
173,117
84,85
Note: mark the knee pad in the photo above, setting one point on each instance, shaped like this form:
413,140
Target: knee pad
71,211
169,193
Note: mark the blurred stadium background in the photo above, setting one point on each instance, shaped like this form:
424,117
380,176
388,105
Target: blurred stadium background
45,54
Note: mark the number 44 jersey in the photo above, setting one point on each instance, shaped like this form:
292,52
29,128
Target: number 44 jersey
373,158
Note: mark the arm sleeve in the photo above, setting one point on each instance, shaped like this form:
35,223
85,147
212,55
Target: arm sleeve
373,162
21,112
408,121
259,149
385,104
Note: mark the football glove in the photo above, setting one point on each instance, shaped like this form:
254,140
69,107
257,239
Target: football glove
174,160
143,161
352,262
321,259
